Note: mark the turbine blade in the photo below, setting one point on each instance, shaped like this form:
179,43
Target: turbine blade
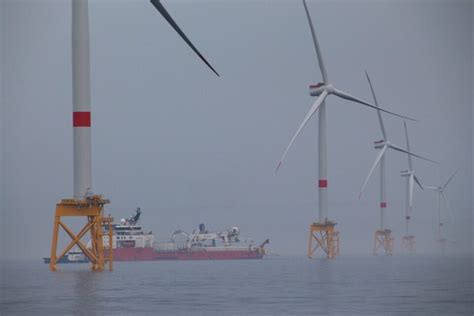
450,178
382,127
418,182
411,186
408,145
316,45
431,188
157,4
377,160
410,153
310,113
349,97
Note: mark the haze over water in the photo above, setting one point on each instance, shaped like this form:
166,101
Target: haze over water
188,148
409,285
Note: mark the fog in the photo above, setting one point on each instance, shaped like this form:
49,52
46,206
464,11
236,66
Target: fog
189,147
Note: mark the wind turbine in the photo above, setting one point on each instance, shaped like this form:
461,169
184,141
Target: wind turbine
408,241
442,197
85,203
81,89
383,238
324,229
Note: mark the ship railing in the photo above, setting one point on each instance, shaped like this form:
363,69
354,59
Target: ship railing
169,246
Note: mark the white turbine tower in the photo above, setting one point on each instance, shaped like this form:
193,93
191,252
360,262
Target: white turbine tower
85,203
81,90
322,91
408,241
383,237
442,197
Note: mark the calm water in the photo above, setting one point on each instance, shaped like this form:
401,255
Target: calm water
273,286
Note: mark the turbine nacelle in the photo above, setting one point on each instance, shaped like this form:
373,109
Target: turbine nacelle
406,173
380,144
437,189
314,86
317,89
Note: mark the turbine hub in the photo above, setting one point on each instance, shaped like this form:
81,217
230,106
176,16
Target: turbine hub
329,88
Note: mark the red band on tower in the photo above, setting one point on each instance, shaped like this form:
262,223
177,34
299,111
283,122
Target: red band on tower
323,183
81,119
383,204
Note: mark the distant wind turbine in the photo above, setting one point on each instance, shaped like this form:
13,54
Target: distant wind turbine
322,90
323,231
383,145
409,240
442,197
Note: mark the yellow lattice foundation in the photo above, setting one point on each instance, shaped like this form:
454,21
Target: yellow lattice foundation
384,241
91,209
323,236
409,243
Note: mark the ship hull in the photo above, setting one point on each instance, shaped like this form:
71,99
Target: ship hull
149,254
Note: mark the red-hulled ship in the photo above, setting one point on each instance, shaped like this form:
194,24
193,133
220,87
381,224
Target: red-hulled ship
131,243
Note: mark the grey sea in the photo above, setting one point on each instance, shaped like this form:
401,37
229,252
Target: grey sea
411,285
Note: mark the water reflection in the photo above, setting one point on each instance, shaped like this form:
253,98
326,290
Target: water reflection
280,286
79,289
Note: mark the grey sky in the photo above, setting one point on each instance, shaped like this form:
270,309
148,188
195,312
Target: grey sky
188,147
